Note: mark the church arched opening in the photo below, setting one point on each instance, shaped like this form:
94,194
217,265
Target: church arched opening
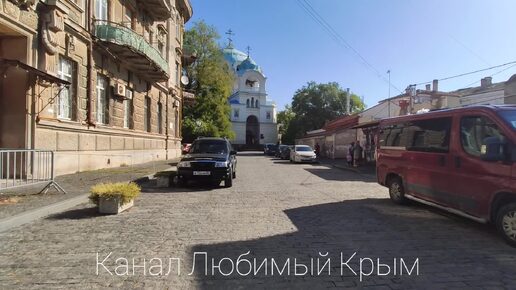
252,131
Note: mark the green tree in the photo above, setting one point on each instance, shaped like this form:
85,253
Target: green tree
315,104
211,81
286,120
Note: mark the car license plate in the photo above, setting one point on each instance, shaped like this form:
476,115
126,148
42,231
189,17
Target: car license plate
204,173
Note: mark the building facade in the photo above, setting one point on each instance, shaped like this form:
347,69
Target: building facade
96,81
253,115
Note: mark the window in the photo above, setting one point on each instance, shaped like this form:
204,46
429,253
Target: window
147,114
178,29
162,38
209,147
248,103
178,74
176,124
391,136
474,130
67,97
432,135
252,102
129,18
160,118
101,9
161,47
102,100
128,109
510,117
268,115
257,104
147,33
236,113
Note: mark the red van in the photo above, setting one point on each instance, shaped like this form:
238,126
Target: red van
460,160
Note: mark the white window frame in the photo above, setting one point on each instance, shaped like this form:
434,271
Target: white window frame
102,83
101,10
65,103
128,104
160,117
147,113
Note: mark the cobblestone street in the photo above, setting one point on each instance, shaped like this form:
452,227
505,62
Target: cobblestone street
275,210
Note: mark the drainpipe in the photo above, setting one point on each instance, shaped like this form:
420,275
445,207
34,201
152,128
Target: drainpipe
89,73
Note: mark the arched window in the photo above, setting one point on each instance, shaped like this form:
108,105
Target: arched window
248,103
252,102
257,104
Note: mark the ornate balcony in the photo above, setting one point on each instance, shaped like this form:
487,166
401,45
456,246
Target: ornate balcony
133,49
159,9
185,8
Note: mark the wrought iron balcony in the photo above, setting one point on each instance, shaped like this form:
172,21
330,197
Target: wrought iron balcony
133,49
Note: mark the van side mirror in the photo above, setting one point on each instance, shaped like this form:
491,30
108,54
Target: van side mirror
233,152
493,149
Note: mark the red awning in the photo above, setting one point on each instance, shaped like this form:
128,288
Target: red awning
344,122
367,125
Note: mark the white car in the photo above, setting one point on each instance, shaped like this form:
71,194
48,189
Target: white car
302,153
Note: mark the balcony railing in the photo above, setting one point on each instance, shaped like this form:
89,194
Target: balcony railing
133,48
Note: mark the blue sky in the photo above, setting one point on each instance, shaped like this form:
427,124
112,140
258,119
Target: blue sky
417,40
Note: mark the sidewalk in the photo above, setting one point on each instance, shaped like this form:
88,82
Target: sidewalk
368,169
27,199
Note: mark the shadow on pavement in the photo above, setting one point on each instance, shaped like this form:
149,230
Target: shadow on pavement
75,214
338,175
449,250
251,153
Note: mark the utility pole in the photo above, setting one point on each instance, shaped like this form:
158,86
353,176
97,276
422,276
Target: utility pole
348,102
388,99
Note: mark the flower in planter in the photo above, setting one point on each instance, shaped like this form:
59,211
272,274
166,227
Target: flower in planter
125,191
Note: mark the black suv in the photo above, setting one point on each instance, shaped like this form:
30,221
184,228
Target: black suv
209,159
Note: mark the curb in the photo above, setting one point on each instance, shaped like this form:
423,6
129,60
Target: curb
35,214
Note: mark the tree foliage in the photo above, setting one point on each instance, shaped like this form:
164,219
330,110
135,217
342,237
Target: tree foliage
211,81
312,106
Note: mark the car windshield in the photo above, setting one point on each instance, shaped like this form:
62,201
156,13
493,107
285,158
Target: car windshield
209,147
303,148
510,117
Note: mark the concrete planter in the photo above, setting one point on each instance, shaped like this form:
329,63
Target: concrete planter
167,178
113,205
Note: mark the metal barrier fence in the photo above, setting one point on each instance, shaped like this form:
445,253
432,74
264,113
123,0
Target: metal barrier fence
25,167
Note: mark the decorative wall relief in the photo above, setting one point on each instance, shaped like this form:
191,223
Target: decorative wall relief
24,4
52,22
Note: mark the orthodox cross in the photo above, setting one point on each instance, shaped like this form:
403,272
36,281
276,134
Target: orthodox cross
230,35
248,51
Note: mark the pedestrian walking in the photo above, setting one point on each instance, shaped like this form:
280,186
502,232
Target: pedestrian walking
357,154
349,157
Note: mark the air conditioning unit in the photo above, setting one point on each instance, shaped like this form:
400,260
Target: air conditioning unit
120,89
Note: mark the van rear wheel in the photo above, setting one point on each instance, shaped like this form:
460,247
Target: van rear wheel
396,190
506,223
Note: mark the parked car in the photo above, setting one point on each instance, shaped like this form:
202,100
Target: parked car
302,153
459,160
270,149
281,148
210,159
285,153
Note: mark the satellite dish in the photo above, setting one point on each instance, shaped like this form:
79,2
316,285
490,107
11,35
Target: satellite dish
185,80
